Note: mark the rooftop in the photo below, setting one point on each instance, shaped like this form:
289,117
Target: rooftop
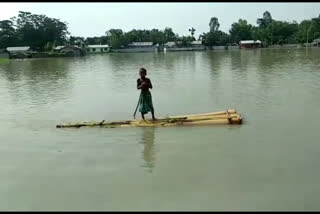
98,46
59,47
170,44
24,48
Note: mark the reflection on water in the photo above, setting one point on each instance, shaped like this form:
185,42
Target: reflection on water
37,81
148,147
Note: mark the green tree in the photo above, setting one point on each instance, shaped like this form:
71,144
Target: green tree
7,34
283,32
77,40
37,30
215,38
265,20
157,36
48,47
169,35
265,29
116,38
306,31
93,40
214,24
185,41
241,30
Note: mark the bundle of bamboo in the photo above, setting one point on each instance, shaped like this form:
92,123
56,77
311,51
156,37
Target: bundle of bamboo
222,117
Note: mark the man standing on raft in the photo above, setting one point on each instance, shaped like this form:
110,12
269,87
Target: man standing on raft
145,102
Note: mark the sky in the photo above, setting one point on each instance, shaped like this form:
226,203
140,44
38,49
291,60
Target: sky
94,19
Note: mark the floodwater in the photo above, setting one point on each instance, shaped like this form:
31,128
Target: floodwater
268,163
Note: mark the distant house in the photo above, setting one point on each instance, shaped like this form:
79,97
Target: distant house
316,42
173,44
194,44
4,54
136,47
58,48
19,52
98,48
197,43
25,49
141,45
250,44
178,46
170,44
70,50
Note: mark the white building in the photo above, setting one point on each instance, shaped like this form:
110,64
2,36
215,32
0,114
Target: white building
196,43
141,45
98,48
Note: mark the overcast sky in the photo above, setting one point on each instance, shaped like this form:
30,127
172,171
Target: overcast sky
93,19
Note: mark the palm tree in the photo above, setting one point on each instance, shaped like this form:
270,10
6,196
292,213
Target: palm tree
192,30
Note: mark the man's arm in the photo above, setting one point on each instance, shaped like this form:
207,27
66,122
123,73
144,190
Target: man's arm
138,84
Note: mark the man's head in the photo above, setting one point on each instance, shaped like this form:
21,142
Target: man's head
142,72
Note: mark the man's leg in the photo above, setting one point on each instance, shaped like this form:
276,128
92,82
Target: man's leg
152,112
142,115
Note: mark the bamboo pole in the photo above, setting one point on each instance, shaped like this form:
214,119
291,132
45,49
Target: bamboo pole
223,117
232,111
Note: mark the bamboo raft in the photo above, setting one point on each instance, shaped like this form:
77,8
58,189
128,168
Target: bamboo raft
229,116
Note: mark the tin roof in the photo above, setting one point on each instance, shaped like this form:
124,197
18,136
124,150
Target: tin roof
25,48
170,44
98,46
59,47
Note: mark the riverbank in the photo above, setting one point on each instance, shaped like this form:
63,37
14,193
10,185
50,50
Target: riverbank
41,55
145,50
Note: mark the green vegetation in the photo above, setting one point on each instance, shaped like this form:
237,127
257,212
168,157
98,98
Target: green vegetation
43,33
32,30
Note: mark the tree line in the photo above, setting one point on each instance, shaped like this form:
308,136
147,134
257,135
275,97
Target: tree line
42,33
